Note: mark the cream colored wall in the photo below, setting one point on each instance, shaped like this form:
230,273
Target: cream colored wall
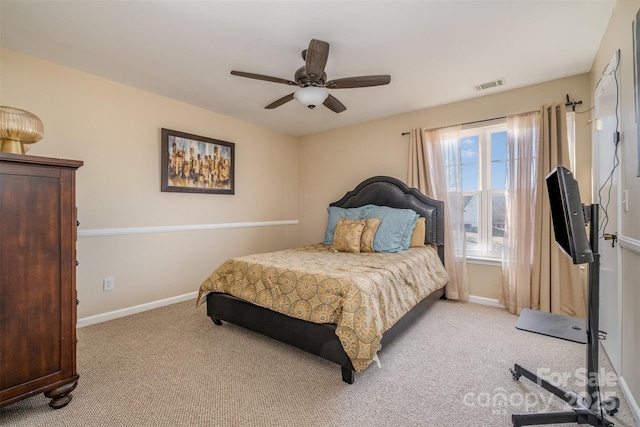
483,280
332,162
115,130
619,36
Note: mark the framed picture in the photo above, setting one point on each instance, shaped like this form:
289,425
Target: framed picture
196,164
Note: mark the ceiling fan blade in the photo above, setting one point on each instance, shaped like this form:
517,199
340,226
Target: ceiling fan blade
361,81
263,77
280,101
316,59
333,104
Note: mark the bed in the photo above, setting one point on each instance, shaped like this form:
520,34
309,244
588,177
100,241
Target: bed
357,290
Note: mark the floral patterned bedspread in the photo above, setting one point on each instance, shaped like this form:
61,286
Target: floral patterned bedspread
364,294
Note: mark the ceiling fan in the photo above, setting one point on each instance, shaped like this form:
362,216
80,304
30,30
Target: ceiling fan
312,80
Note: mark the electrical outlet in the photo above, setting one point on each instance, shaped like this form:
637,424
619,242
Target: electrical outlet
108,284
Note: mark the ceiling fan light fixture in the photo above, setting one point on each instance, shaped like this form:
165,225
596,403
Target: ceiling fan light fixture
311,96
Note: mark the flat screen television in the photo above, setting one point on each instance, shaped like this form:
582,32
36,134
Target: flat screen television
567,215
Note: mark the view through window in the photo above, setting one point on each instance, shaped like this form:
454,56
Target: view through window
483,167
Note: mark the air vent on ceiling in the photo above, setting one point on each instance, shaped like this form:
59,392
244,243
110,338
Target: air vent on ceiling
491,84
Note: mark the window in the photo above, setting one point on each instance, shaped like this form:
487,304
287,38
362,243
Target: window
483,166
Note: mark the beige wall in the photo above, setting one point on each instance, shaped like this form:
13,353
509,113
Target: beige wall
483,280
618,36
115,130
332,162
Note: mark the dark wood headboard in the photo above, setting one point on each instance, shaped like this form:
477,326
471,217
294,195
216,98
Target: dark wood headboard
389,191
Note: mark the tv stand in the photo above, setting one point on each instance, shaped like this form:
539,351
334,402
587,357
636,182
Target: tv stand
589,409
582,412
554,325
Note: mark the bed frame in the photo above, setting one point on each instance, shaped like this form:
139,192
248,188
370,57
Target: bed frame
320,339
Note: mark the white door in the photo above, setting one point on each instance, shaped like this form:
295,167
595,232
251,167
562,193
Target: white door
606,192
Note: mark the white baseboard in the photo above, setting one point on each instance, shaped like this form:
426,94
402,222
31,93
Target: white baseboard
485,301
633,405
99,318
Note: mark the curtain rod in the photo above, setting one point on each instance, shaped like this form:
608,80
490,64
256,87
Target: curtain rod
572,103
468,123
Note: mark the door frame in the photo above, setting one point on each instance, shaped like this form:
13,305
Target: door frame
611,75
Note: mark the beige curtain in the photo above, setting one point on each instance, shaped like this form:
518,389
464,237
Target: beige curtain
535,273
523,131
556,285
434,169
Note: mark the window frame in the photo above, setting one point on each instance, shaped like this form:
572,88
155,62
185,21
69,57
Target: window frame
484,193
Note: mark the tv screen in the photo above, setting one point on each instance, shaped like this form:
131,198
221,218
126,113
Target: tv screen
567,215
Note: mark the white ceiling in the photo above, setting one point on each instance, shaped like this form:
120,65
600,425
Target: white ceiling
435,51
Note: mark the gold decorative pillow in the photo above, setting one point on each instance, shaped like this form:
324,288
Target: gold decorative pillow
418,235
368,233
346,237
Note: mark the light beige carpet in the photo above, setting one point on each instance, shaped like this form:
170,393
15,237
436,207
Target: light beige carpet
173,367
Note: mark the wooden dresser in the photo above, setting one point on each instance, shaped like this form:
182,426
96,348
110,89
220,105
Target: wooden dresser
37,278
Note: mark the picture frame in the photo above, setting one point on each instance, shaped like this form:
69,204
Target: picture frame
196,164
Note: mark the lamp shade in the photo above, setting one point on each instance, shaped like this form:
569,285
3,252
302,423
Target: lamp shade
311,96
19,127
